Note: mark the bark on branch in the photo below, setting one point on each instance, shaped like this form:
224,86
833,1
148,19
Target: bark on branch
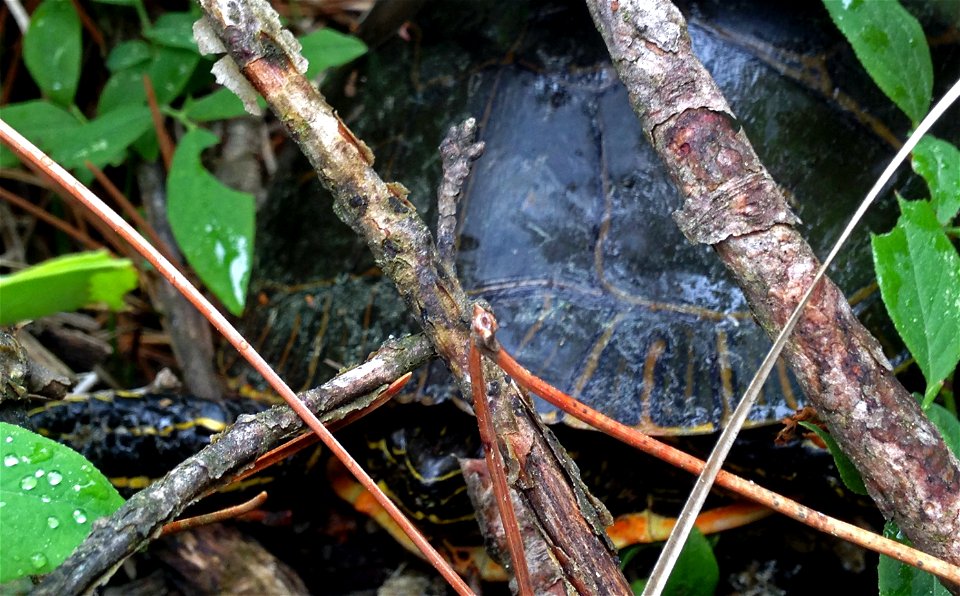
732,204
268,57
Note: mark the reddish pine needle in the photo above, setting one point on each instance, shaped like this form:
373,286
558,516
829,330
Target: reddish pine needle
481,330
741,486
188,523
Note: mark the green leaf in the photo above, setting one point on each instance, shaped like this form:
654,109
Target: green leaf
170,71
918,270
892,48
899,579
219,105
123,88
38,120
848,472
104,140
119,2
696,572
948,425
175,30
127,54
64,284
51,50
212,223
51,496
326,48
939,163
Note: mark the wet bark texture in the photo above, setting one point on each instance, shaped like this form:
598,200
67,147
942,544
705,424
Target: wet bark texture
268,57
731,203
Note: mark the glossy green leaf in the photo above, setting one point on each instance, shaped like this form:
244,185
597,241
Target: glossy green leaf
212,223
51,496
65,283
939,163
326,48
898,579
219,105
948,425
696,572
848,472
38,120
175,30
104,140
169,69
51,50
119,2
123,88
127,54
892,48
918,270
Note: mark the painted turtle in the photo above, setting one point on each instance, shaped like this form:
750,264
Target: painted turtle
565,223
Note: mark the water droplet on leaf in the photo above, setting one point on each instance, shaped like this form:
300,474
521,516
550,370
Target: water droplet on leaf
79,516
28,483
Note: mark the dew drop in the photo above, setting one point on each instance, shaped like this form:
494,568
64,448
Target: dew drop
38,560
54,478
39,473
9,439
53,523
10,460
79,516
28,483
44,498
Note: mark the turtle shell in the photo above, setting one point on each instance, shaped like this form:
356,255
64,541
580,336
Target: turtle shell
565,224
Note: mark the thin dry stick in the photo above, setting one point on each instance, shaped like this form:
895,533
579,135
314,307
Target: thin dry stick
741,486
56,222
163,139
188,523
29,153
491,452
678,537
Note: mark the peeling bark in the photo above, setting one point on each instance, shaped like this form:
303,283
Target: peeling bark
732,203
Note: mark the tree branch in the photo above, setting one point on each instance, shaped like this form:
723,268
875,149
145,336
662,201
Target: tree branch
142,517
732,203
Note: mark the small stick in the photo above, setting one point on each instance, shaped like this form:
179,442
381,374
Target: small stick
56,222
308,439
483,328
458,151
164,141
188,523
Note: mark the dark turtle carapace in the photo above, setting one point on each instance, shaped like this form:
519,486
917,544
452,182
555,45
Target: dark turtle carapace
565,225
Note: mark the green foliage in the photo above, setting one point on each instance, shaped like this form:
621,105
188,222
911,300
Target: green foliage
918,270
326,48
65,283
892,48
47,124
848,472
49,498
897,579
212,223
696,572
169,56
51,50
939,163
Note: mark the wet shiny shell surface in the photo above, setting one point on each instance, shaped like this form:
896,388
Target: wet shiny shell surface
565,225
